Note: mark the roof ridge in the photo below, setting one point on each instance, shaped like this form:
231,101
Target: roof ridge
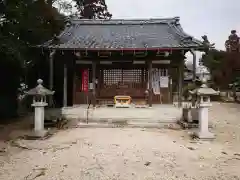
124,21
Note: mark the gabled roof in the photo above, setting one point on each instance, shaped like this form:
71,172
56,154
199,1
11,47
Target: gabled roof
124,34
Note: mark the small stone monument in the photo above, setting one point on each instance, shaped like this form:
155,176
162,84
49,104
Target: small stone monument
203,103
39,94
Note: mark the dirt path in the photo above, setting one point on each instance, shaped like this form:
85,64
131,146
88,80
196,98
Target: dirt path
125,154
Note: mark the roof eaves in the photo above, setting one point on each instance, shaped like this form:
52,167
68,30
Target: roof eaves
184,38
63,47
50,42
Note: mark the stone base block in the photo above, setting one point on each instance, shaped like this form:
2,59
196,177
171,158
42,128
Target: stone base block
122,105
38,134
205,135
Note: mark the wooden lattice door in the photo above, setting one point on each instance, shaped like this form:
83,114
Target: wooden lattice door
130,82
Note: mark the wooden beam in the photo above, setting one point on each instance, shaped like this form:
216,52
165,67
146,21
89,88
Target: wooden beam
124,50
94,83
117,56
150,91
131,66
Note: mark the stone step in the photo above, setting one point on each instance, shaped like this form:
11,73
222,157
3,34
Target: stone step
133,117
126,120
132,125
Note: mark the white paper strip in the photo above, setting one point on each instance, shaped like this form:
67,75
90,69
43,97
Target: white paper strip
164,81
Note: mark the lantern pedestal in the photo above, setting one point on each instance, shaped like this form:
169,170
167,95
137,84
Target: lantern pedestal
39,118
203,132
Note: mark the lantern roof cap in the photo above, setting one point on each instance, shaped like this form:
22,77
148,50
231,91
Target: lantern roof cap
204,89
40,90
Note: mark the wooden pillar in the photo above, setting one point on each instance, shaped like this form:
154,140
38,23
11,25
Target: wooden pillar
100,80
180,82
169,87
65,85
51,71
74,87
171,90
94,83
171,75
150,91
194,65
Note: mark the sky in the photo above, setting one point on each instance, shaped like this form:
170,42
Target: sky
214,18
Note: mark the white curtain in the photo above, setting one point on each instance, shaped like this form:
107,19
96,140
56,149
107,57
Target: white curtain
156,81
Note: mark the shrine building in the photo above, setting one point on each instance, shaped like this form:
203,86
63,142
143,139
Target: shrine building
143,59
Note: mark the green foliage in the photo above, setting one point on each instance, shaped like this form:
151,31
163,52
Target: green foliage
236,84
224,66
188,87
23,24
213,59
93,9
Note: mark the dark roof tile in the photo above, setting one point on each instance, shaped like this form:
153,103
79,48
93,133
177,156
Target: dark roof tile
117,34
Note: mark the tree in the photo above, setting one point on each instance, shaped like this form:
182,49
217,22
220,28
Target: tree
214,61
64,7
224,66
92,9
233,43
24,24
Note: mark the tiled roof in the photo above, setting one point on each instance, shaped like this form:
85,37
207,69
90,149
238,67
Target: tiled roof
124,34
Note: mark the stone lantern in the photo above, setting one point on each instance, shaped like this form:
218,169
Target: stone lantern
39,94
203,103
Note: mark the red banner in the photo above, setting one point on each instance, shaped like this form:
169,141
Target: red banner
85,80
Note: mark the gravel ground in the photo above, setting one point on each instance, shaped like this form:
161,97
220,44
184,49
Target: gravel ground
125,154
